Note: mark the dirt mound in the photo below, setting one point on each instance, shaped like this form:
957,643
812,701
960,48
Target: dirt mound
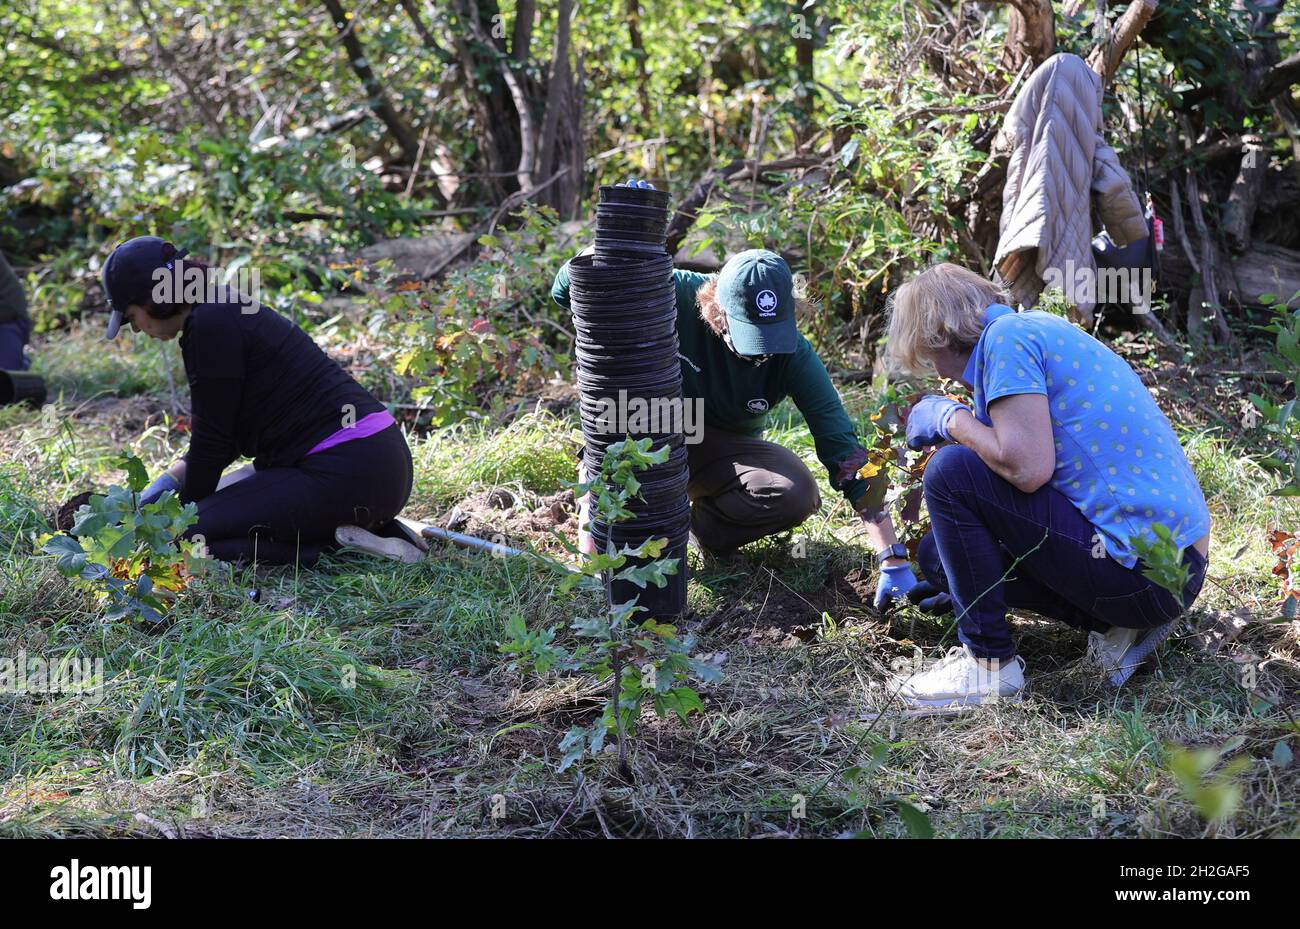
66,516
515,517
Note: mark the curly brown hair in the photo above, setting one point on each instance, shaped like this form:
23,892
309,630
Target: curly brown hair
706,298
715,317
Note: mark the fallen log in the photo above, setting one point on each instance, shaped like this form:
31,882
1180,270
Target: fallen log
1241,279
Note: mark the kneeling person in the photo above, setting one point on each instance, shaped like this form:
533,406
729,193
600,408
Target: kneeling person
326,453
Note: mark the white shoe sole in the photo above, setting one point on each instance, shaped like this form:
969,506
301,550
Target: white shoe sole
1138,654
395,549
973,700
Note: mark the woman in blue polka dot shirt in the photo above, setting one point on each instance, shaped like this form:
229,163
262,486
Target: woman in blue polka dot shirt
1042,488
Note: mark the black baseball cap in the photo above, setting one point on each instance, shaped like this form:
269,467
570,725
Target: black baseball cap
128,274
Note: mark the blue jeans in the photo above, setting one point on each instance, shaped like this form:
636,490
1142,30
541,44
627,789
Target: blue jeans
13,336
981,525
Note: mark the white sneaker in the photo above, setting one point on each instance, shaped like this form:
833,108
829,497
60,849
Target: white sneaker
1107,650
362,540
959,680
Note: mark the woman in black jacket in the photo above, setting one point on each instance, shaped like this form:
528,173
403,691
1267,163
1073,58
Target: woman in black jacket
326,454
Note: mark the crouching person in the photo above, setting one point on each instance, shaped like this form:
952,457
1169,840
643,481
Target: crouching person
741,356
326,453
1064,462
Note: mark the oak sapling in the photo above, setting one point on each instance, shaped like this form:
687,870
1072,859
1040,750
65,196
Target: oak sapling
643,660
130,557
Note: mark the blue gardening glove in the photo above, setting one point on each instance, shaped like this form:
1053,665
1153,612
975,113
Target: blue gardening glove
633,182
160,486
927,422
899,581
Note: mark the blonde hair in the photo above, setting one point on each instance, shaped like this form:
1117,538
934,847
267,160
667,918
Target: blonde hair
940,308
715,317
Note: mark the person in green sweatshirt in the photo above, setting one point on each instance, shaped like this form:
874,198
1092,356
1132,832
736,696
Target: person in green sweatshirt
742,353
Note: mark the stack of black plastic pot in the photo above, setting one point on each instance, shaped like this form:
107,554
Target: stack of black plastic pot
625,318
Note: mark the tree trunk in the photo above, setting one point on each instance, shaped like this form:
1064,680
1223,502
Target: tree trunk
632,8
501,139
521,39
398,128
556,92
1105,59
1239,211
1031,33
803,68
1265,269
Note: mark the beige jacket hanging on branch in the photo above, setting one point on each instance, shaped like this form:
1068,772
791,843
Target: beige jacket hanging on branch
1058,163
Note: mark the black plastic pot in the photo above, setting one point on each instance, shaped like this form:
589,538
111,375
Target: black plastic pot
661,493
662,604
615,367
593,457
598,442
646,354
595,332
636,196
596,274
22,387
616,224
666,375
623,390
628,248
625,315
613,226
608,240
626,319
642,211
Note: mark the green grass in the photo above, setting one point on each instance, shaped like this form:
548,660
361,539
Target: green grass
368,698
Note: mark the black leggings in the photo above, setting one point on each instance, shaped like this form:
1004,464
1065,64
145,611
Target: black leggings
288,515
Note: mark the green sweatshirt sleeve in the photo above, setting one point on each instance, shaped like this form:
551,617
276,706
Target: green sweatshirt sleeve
560,286
812,391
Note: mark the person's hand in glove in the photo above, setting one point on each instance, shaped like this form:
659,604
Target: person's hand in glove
897,580
927,422
163,483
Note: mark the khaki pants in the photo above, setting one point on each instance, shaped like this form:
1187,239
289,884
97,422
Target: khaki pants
743,489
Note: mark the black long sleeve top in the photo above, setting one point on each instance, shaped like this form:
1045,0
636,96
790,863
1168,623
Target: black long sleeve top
260,388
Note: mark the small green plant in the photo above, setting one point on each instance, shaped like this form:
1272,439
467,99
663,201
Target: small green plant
486,331
131,557
1163,559
1215,794
643,661
1280,420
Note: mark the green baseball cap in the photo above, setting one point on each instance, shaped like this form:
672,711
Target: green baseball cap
756,291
